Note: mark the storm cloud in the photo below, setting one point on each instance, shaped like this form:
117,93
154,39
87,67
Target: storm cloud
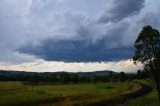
77,51
69,31
118,10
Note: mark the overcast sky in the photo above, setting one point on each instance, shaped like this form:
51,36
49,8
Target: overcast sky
72,35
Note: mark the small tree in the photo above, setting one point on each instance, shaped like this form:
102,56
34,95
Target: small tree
147,51
139,74
122,76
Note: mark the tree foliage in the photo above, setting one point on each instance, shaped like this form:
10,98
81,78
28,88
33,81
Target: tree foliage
147,51
147,45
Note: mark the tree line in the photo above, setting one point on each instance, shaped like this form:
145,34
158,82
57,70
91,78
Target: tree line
67,78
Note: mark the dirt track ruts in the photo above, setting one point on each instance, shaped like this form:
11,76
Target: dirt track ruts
124,97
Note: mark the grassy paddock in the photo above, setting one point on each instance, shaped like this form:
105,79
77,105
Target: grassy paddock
150,99
15,93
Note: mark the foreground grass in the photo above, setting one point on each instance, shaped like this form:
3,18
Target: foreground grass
150,99
15,93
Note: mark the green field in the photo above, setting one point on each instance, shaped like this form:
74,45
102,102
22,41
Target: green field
15,93
150,99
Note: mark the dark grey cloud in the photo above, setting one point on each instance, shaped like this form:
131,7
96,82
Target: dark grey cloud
65,30
85,47
120,9
76,51
92,41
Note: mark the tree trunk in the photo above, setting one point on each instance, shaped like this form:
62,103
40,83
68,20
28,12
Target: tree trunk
158,86
155,75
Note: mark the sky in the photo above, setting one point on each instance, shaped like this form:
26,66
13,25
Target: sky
73,35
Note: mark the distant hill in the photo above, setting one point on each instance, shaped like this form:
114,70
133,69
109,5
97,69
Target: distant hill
55,77
83,74
61,77
96,73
